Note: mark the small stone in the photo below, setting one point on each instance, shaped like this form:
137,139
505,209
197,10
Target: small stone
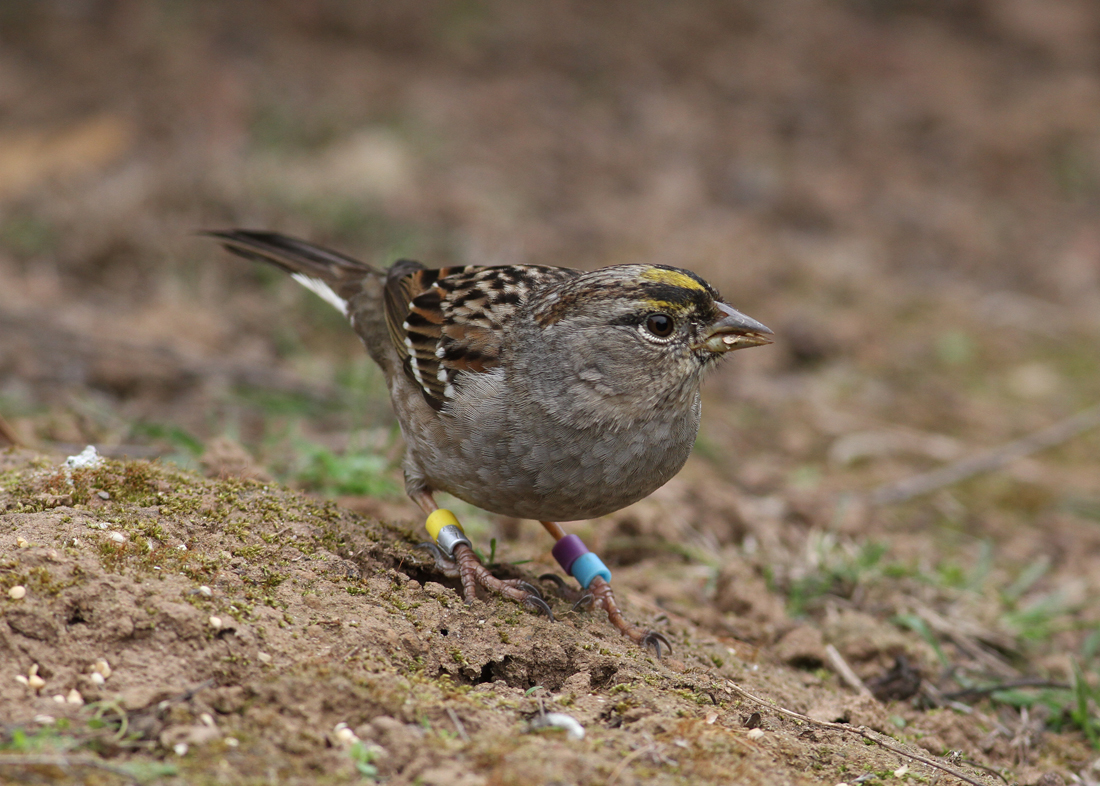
58,698
22,542
232,742
118,537
101,666
181,547
180,748
215,623
205,591
263,657
755,734
207,719
33,680
74,698
97,678
21,679
344,735
103,495
18,592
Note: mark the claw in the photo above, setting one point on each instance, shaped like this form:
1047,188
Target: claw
654,640
584,602
433,548
529,588
554,577
539,605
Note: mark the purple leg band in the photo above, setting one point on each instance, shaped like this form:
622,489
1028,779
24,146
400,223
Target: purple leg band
567,550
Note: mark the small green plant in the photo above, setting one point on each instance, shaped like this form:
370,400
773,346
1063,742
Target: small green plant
361,474
363,756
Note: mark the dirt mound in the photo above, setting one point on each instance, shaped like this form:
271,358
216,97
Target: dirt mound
233,631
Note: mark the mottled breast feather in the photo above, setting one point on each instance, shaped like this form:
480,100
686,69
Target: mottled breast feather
446,323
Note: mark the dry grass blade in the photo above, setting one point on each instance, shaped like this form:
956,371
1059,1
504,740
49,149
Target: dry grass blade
925,483
841,667
7,434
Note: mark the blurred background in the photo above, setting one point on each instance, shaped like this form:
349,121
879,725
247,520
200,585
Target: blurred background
907,192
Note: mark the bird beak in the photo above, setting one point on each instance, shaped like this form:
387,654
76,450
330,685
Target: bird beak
733,331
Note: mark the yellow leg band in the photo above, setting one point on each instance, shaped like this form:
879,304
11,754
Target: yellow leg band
438,520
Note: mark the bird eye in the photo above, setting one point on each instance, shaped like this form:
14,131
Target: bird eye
659,325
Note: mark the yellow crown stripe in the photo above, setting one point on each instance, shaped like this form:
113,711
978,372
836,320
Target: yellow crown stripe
664,305
672,277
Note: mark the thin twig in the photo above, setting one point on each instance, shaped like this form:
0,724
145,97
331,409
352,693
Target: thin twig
988,461
861,731
458,725
844,671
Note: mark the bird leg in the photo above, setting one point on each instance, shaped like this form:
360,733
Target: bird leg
455,557
595,578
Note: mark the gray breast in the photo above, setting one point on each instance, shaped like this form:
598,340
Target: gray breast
517,461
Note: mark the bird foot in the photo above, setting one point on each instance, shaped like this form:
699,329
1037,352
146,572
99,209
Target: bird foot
599,595
467,568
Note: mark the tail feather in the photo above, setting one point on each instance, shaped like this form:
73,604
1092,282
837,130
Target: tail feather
333,276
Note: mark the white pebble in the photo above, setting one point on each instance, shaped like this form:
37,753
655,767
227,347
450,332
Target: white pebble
205,591
216,623
21,679
263,657
232,742
45,720
180,748
75,698
22,542
33,680
97,678
344,735
86,459
59,698
18,592
755,734
181,547
118,537
207,719
103,495
559,720
101,666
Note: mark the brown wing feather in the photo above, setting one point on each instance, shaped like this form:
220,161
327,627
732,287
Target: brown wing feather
446,323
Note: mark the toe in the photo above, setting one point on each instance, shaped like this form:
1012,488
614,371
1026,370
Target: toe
446,566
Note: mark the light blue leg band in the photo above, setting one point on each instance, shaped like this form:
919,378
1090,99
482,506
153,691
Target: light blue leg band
587,567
